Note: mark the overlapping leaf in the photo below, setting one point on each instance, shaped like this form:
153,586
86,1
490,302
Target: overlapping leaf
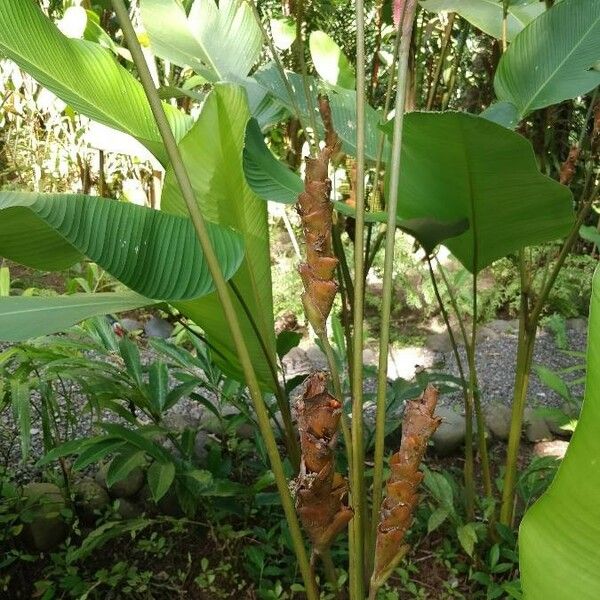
559,552
222,42
153,253
212,152
330,62
456,166
553,58
487,15
25,317
83,74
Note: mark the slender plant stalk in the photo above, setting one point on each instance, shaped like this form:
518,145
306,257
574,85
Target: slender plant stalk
223,293
475,405
392,203
283,403
528,324
469,462
456,65
441,59
358,482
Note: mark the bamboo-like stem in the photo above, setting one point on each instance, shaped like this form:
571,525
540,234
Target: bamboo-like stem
223,293
357,479
468,471
528,324
441,59
475,399
330,574
290,438
392,203
456,65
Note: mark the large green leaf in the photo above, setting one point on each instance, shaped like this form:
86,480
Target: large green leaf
558,542
487,15
153,253
330,62
267,177
220,42
343,107
212,151
83,74
456,166
552,59
24,317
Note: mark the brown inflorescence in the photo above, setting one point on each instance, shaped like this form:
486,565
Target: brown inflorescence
398,506
315,210
567,170
320,492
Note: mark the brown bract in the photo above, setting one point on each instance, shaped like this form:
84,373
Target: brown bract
320,491
398,506
315,210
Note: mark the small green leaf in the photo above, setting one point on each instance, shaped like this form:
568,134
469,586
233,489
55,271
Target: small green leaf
158,383
590,234
160,478
283,32
21,406
437,517
96,451
123,464
130,354
467,536
330,62
4,281
287,340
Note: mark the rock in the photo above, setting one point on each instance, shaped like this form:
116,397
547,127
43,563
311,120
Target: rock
404,362
127,487
287,321
90,498
295,363
497,418
211,423
200,442
131,325
128,509
157,327
167,505
485,333
43,502
536,428
440,342
450,435
315,356
556,448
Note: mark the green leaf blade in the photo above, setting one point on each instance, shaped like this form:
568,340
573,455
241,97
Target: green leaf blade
558,537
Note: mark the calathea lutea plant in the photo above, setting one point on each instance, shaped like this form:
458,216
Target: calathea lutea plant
466,180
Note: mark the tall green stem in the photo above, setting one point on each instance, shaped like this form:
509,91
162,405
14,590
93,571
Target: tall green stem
357,480
469,462
392,204
223,294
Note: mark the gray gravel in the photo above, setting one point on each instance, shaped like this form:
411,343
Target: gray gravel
496,359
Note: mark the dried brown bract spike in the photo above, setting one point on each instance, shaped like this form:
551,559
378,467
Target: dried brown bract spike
320,491
567,170
398,506
315,210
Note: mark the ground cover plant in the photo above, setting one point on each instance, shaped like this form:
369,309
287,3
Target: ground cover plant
442,159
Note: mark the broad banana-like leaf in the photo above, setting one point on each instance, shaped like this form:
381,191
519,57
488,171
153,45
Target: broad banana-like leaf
83,74
343,108
559,551
153,253
503,113
268,178
330,62
222,42
25,317
456,165
553,58
428,232
212,152
487,15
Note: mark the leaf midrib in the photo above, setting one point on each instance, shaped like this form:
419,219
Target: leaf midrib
561,64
